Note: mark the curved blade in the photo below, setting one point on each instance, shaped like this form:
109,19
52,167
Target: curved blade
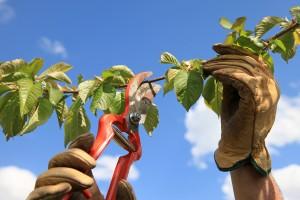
139,96
131,90
144,98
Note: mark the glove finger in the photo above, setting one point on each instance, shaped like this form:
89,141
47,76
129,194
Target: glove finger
75,178
243,82
50,192
125,191
235,50
73,158
219,63
84,142
223,49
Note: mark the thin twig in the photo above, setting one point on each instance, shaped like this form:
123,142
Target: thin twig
290,28
121,86
69,91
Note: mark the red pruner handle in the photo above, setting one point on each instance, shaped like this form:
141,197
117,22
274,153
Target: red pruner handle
104,135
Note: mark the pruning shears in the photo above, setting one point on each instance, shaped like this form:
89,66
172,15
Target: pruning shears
123,128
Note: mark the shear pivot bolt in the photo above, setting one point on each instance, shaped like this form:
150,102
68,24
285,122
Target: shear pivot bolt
135,118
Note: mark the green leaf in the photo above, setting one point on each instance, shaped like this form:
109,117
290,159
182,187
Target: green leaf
117,106
188,87
249,44
209,89
295,12
96,98
58,67
123,71
85,88
103,97
40,116
239,24
225,23
33,67
60,76
15,77
296,34
57,72
55,95
10,119
3,88
214,103
171,73
117,75
61,110
168,58
231,37
267,58
11,71
169,82
4,99
168,86
76,122
152,119
29,93
280,45
80,79
194,64
266,24
288,41
10,67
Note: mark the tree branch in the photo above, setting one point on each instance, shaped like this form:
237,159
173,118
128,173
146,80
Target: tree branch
290,28
121,86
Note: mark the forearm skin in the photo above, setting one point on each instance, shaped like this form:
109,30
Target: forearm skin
250,185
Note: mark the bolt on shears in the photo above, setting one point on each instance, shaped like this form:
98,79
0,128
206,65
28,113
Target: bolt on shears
123,128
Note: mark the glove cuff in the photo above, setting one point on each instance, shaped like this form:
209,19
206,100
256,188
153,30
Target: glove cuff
259,159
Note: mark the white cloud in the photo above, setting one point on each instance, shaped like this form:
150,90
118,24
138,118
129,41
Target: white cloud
288,179
6,12
203,128
16,183
286,126
289,186
53,47
227,189
105,168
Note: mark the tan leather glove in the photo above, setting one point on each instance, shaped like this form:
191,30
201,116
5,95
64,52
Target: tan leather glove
71,171
250,97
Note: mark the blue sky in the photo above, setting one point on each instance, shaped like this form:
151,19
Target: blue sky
94,35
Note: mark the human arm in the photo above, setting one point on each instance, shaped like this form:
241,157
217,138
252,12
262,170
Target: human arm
249,185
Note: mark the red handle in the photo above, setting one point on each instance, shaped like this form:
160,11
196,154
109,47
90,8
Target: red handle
104,135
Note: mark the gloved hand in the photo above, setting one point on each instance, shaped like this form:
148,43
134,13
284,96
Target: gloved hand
250,97
71,171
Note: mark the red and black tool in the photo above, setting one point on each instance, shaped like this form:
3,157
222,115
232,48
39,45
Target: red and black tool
123,128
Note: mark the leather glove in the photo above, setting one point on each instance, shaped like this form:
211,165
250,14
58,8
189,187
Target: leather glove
69,171
250,97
